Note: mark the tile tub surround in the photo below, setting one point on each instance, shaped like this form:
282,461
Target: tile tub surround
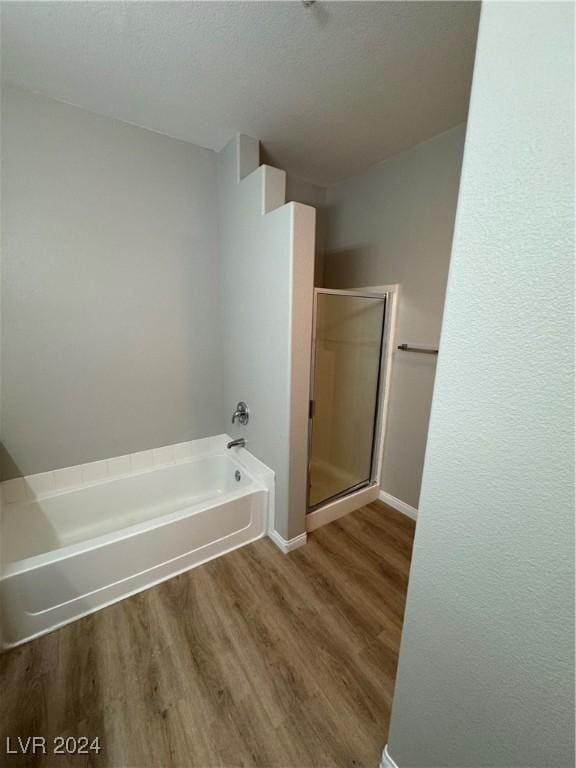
36,487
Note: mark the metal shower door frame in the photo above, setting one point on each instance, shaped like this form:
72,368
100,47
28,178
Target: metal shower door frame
379,415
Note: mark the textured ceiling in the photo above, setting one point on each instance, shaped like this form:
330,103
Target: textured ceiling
329,89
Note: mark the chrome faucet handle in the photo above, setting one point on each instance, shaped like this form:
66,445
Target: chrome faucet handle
241,413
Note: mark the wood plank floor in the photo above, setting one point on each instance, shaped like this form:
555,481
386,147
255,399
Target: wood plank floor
254,659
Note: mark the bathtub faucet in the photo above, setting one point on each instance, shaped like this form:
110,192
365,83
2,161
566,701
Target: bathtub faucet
241,413
238,443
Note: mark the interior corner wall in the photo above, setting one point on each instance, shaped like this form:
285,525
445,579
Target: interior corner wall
301,191
486,672
110,322
394,224
266,268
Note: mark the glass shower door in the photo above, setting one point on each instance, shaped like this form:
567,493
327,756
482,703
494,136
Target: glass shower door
347,356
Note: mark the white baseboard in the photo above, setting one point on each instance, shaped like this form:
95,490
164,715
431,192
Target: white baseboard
401,506
387,761
287,545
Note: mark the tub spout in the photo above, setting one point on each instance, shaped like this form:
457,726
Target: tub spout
238,443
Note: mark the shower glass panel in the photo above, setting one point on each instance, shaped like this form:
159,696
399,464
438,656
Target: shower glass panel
349,332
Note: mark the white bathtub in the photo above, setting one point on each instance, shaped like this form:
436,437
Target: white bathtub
69,553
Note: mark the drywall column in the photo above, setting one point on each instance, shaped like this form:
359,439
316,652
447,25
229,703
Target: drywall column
267,271
486,675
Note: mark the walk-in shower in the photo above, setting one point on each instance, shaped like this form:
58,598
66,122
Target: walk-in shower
347,389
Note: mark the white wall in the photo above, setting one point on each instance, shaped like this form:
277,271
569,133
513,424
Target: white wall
266,266
110,324
486,675
394,224
301,191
